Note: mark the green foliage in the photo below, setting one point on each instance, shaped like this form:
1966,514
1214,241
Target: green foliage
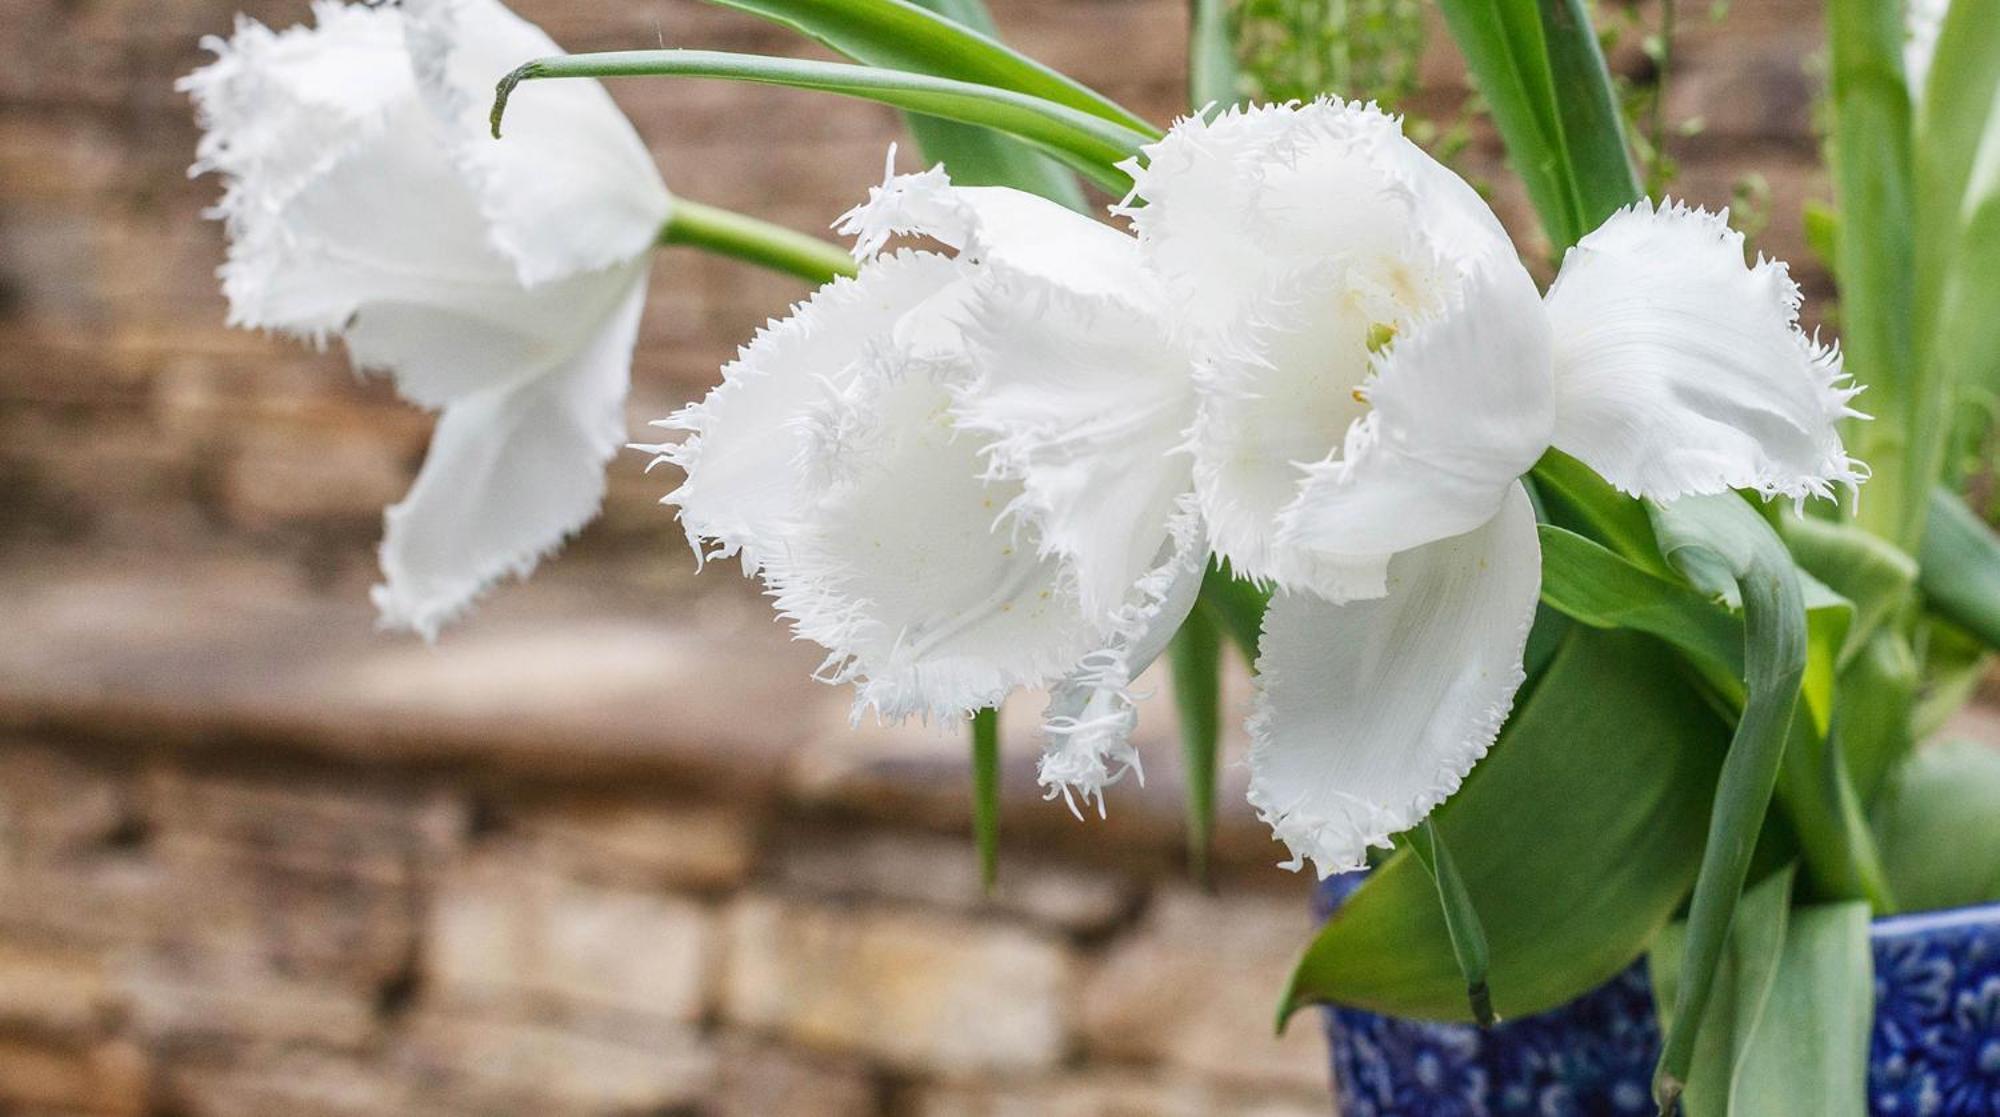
1088,143
1782,966
1961,568
1461,919
1573,867
1940,831
1299,49
1710,538
986,793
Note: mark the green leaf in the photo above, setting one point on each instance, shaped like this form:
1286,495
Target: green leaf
1211,55
1939,823
1789,1026
1587,108
1707,537
1873,711
751,239
1461,919
1570,891
1572,495
954,39
1873,181
1588,583
1866,569
1952,664
1196,654
986,793
1089,144
975,156
1960,567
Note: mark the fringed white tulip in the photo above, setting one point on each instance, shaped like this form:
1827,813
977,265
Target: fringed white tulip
500,282
1377,371
948,469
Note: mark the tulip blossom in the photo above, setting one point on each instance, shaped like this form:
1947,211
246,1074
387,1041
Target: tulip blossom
1376,371
956,471
500,283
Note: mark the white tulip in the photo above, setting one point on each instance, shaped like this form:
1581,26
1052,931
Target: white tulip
957,472
500,282
1377,371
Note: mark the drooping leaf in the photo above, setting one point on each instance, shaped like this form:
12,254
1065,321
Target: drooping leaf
1939,821
952,39
1711,538
1089,144
1570,892
1196,654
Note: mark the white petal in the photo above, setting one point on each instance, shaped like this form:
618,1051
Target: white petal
1022,232
747,449
571,187
1679,369
1091,712
1234,203
512,472
1086,402
903,568
1368,715
1461,408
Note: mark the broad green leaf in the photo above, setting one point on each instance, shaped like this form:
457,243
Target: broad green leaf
1573,496
1461,919
1789,1026
952,39
974,156
1196,655
743,237
1588,583
1707,538
1211,55
1569,890
1939,821
1961,568
1873,181
986,793
1951,663
1089,144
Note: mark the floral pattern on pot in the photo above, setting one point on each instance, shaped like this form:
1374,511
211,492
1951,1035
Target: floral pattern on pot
1935,1052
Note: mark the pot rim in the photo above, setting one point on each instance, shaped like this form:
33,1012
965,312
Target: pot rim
1942,919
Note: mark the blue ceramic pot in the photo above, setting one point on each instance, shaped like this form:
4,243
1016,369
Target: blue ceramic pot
1936,1050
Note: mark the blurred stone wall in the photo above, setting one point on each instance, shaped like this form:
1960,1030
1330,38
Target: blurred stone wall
605,851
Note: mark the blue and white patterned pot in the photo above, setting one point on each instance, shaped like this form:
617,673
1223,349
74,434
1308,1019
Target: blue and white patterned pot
1936,1050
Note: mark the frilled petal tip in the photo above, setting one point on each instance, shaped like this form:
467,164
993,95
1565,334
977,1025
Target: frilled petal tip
512,473
750,446
1092,713
1368,715
570,187
277,110
1680,369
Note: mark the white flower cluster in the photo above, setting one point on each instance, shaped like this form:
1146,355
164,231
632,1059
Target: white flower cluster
1317,356
1008,463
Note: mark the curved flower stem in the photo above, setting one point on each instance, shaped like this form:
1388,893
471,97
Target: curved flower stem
728,233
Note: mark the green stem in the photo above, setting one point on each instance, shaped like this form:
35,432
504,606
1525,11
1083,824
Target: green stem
728,233
1461,919
1196,653
986,793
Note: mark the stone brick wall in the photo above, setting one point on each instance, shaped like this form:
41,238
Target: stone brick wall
605,850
